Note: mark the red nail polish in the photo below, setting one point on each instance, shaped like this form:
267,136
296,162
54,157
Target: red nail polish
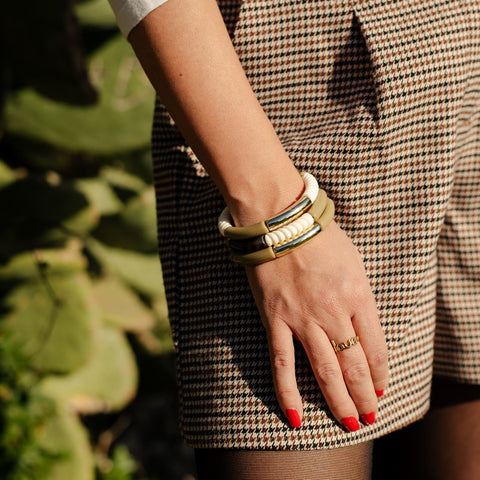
293,417
379,393
368,418
351,424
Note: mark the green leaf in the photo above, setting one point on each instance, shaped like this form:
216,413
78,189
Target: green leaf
64,434
53,321
40,156
83,221
107,382
121,179
139,270
135,227
32,211
30,266
100,194
162,329
95,13
120,306
119,122
138,163
122,466
34,198
7,175
140,217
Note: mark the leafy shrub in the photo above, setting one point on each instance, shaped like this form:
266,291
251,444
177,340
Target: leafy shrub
79,273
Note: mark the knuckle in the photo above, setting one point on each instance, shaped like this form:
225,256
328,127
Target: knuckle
286,392
274,308
328,373
342,408
280,359
365,406
331,302
379,358
356,373
361,293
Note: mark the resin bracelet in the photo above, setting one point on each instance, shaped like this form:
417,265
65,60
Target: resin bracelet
225,222
278,250
299,225
282,234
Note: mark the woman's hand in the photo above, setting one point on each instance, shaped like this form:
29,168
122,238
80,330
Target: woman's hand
316,294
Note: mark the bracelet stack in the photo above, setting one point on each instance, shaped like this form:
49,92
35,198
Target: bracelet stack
283,233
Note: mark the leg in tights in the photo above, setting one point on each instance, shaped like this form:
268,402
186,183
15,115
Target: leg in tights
445,445
347,463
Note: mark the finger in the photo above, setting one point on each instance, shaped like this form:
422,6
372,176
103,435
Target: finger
354,367
356,373
329,376
282,357
367,325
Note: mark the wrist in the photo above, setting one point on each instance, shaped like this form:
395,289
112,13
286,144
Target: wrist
283,233
264,195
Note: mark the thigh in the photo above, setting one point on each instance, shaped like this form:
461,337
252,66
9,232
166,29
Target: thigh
347,463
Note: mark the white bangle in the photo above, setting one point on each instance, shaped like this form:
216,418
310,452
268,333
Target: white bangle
311,188
289,231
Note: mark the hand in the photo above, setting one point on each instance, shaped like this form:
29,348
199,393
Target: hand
316,294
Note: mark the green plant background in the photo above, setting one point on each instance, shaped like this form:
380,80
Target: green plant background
84,334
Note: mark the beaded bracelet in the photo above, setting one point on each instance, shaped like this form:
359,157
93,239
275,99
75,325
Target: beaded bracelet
302,205
302,223
282,234
278,250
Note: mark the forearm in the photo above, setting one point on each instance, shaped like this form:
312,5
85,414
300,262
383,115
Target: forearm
309,294
185,50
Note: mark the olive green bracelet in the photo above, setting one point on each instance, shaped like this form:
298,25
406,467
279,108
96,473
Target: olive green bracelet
302,205
260,242
275,251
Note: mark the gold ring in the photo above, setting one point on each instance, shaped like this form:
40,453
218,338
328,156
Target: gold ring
340,347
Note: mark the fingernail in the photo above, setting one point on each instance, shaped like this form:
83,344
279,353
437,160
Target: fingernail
368,418
379,393
293,417
351,424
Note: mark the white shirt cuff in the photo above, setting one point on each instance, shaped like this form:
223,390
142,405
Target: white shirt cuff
130,12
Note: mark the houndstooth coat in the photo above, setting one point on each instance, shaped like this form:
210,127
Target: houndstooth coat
380,100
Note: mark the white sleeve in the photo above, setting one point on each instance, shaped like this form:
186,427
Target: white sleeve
130,12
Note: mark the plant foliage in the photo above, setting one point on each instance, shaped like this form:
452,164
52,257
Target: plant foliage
79,273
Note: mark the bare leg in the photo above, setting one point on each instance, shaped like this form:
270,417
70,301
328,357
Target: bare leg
445,445
347,463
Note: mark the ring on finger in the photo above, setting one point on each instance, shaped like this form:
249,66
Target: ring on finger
340,347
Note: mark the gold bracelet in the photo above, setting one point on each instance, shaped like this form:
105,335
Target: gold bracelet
271,238
301,206
275,251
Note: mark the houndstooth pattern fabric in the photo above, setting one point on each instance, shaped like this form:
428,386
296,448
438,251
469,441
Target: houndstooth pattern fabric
380,100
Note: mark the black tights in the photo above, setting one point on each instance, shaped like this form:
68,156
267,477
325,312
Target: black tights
445,445
348,463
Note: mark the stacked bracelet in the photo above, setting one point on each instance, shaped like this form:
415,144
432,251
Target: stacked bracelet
241,233
283,233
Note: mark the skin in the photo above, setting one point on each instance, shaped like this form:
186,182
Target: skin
318,292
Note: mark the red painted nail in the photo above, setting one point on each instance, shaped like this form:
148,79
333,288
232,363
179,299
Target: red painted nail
368,418
293,417
379,393
351,424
